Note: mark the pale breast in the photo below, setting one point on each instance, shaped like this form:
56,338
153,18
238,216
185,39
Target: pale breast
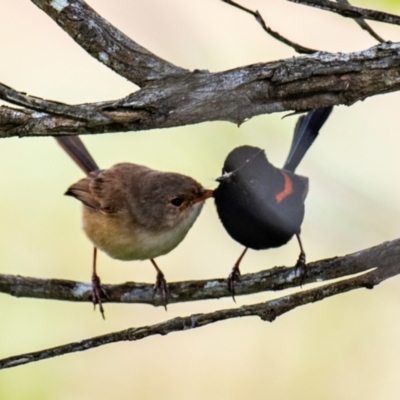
117,236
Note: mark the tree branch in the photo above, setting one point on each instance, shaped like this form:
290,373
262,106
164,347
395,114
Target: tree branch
348,11
173,96
267,311
297,47
278,278
301,84
106,43
363,24
83,112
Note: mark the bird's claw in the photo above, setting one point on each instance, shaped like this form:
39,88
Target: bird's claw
233,276
98,293
162,286
300,268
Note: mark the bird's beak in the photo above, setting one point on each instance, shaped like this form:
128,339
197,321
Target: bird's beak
224,177
204,195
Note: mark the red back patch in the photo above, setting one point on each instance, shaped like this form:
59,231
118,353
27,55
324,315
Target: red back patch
287,189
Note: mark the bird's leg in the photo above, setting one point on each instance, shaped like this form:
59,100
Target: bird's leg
300,267
161,284
235,275
97,290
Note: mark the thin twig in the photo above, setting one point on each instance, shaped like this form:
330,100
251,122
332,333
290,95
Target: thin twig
267,311
297,47
348,11
363,24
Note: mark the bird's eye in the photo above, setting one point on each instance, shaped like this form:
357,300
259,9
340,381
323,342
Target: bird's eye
176,201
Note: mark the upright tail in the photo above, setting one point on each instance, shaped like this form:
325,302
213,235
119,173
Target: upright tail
75,148
305,132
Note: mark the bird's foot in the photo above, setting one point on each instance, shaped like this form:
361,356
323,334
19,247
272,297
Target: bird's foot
300,268
233,276
161,285
98,293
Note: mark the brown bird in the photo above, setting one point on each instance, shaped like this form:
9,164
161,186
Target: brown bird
132,212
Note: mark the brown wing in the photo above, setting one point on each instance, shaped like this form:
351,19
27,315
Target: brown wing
81,191
100,190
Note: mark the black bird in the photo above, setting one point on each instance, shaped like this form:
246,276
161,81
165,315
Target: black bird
262,206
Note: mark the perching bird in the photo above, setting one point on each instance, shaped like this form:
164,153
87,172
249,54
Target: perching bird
262,206
132,212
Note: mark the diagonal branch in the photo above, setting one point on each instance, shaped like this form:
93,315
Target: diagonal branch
363,24
297,47
106,43
348,11
278,278
300,84
267,311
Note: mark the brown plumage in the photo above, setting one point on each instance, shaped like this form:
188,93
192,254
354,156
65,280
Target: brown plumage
132,212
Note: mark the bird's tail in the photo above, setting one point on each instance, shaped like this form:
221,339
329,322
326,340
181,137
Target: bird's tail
305,132
75,148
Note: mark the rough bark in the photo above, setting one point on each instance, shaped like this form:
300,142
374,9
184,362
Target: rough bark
279,278
267,311
300,84
106,43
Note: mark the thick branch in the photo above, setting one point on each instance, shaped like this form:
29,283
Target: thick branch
301,84
267,311
348,11
278,278
106,43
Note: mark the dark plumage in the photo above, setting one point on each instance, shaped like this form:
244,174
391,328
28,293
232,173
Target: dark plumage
262,206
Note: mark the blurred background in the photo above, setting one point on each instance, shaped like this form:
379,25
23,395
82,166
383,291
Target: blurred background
344,347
